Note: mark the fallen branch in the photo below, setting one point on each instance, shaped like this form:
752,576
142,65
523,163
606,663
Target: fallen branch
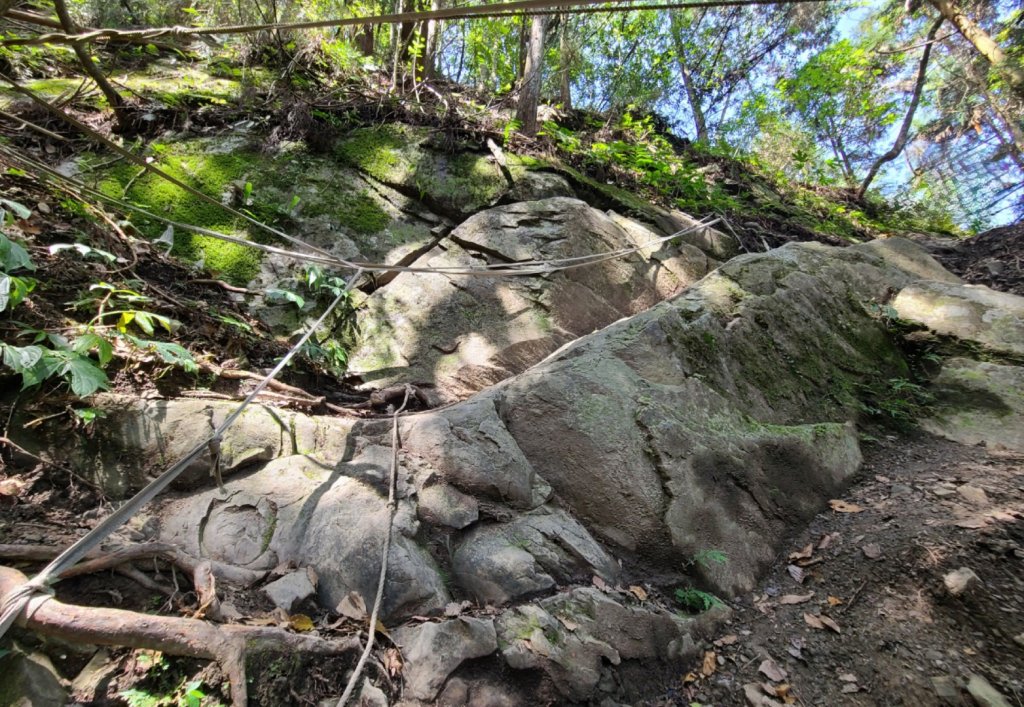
239,374
225,286
229,645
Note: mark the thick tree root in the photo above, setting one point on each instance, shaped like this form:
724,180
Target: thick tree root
228,645
107,558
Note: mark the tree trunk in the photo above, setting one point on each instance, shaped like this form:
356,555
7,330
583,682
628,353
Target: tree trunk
915,99
364,40
529,94
977,36
840,152
6,5
564,79
433,34
89,66
691,93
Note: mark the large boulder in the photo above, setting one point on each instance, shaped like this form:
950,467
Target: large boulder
577,637
992,321
331,516
464,333
978,402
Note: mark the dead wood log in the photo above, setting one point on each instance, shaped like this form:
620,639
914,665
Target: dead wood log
227,644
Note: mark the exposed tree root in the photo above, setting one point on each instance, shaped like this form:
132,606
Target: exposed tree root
227,644
99,560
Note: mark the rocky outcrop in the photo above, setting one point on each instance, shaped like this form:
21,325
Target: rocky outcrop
464,333
992,321
715,420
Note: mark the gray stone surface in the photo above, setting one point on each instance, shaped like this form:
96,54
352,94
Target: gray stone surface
573,635
292,589
441,504
497,563
984,693
461,692
470,448
972,313
532,186
432,651
978,402
465,333
332,518
30,680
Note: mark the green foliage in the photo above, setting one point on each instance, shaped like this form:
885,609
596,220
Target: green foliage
696,601
896,401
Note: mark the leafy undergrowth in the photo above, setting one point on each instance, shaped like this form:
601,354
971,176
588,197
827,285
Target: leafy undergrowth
87,307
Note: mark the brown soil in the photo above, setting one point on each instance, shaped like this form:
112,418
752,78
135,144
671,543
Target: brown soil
902,638
994,258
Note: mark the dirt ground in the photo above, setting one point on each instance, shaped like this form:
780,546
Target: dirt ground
994,258
857,611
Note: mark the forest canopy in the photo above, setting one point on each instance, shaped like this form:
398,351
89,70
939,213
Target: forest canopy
918,101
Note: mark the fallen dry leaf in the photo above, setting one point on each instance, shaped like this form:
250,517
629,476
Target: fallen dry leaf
834,601
772,670
844,506
352,606
600,583
813,621
971,523
13,486
803,553
300,622
795,598
830,623
710,664
639,592
569,624
848,677
827,540
850,687
727,640
393,662
796,573
872,551
756,697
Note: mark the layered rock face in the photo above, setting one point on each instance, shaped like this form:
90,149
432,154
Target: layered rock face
609,426
713,421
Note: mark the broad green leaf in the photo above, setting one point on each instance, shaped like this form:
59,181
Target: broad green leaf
20,210
86,376
13,256
279,295
21,358
89,341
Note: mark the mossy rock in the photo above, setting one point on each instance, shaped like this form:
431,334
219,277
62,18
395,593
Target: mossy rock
404,157
330,205
212,173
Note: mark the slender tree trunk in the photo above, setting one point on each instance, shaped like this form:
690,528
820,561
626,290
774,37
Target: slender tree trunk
908,119
432,33
691,93
6,5
89,66
364,40
977,36
529,94
564,51
837,148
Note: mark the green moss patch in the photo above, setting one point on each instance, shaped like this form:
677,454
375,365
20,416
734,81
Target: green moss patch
211,174
398,155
